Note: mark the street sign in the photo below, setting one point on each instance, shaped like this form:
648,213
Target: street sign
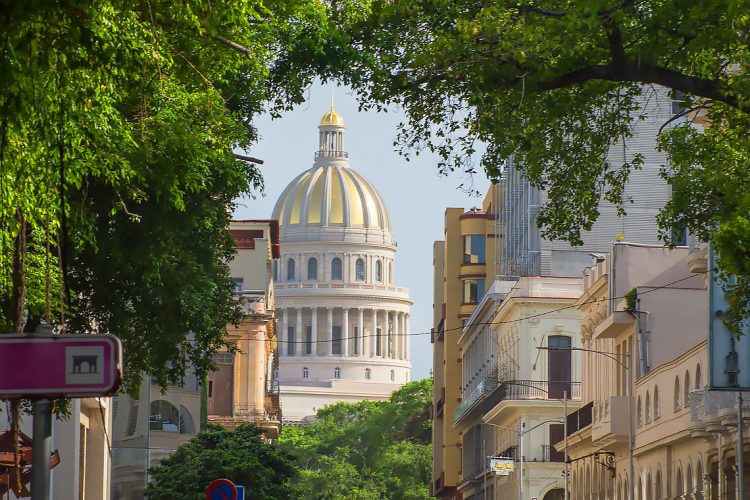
72,366
221,489
728,356
240,492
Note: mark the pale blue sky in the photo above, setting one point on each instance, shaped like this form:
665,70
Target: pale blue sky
415,194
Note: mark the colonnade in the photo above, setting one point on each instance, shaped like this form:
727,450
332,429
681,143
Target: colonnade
345,331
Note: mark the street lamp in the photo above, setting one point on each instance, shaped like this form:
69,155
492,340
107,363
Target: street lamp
521,433
631,390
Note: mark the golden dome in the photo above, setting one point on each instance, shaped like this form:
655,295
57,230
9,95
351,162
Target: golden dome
332,118
332,196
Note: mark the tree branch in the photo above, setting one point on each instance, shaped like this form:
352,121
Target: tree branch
644,73
233,45
248,159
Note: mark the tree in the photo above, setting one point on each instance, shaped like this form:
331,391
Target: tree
368,449
117,171
555,85
242,456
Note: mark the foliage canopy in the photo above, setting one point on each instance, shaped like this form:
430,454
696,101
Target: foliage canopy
556,84
117,172
366,450
242,456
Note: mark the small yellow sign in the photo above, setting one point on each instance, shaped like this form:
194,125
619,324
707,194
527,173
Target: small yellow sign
501,466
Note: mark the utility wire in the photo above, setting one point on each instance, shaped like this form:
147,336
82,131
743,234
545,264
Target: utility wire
480,323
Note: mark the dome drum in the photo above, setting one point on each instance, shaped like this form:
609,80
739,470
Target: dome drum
343,323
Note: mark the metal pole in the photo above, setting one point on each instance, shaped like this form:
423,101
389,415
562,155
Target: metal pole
520,455
42,449
484,467
565,432
740,450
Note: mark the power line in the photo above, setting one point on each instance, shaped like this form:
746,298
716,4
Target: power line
490,323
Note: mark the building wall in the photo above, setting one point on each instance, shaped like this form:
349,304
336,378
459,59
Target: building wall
454,277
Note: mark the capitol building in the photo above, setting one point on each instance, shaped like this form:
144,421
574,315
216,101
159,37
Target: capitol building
343,323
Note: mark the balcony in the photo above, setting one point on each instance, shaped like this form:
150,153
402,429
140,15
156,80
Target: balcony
714,412
610,421
512,390
580,419
265,417
474,399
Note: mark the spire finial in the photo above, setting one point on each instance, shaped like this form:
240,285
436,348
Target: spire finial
331,98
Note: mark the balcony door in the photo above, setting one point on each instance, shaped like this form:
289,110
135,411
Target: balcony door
559,366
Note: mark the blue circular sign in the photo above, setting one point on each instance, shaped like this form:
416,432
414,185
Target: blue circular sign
221,489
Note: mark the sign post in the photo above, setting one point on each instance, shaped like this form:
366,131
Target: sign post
43,367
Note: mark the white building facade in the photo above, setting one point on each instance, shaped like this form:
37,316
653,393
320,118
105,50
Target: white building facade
343,324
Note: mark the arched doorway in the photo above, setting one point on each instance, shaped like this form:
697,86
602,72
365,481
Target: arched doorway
556,494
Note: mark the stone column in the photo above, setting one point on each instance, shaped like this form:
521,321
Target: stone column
345,332
299,335
399,336
361,331
374,334
389,337
314,331
284,337
328,346
406,334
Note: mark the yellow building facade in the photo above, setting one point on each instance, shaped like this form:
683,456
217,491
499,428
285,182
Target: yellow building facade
463,268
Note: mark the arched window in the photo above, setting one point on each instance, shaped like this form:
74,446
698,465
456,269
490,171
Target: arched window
639,493
689,480
164,416
639,413
305,372
336,269
657,407
393,375
686,389
378,271
679,486
312,268
677,394
337,372
698,481
368,374
649,488
290,270
657,486
648,408
359,270
698,377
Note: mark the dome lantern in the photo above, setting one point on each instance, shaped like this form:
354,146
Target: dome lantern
331,135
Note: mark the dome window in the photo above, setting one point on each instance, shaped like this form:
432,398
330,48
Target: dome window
312,269
368,374
359,270
378,271
290,270
336,269
393,375
305,372
337,372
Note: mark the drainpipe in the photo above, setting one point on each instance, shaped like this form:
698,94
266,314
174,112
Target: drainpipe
644,364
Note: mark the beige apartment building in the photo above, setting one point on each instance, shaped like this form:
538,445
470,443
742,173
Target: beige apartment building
649,428
243,388
539,384
463,266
